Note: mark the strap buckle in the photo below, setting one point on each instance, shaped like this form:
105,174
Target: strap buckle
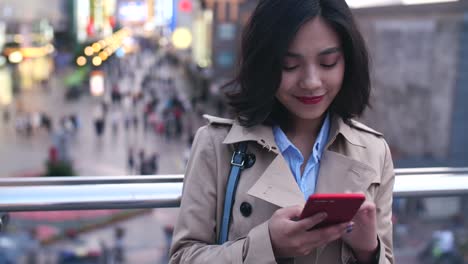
242,157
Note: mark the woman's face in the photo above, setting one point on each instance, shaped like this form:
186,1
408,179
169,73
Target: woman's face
313,71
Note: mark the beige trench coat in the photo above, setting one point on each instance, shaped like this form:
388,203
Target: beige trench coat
356,159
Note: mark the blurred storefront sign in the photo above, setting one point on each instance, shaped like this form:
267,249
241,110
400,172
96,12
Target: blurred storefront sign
202,38
2,34
28,52
32,71
185,6
34,64
101,16
133,12
6,89
82,17
94,18
96,83
226,31
163,12
184,14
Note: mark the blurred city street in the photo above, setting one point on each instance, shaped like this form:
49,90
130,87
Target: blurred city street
118,88
26,155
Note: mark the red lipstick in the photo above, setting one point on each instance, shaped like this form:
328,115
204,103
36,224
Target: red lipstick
310,99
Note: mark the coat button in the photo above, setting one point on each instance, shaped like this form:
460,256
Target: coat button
246,209
250,160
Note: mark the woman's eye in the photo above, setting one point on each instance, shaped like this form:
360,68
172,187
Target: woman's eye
290,68
329,65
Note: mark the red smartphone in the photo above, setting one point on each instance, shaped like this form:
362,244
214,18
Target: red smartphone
340,207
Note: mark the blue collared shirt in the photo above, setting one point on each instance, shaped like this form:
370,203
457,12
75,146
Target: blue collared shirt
294,158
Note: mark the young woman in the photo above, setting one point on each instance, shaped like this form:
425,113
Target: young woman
303,76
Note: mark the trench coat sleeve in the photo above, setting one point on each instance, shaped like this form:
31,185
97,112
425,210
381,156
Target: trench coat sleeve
383,201
194,239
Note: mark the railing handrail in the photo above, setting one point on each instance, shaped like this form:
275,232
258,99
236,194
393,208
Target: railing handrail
431,170
160,178
80,180
131,192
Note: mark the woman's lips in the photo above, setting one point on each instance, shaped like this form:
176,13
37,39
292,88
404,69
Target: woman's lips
310,99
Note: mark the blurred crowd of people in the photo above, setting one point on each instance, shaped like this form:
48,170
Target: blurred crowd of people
150,92
141,163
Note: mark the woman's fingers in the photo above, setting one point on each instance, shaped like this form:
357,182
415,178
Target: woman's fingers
291,237
366,213
289,212
308,241
310,222
326,235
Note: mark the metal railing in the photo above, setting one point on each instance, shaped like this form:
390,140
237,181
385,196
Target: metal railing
132,192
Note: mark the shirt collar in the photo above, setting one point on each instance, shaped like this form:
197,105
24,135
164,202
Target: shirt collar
322,138
281,139
284,143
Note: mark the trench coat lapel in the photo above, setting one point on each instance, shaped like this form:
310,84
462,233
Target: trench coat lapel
277,185
339,173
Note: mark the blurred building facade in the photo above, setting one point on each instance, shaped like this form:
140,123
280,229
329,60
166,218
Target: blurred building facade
419,58
31,11
26,44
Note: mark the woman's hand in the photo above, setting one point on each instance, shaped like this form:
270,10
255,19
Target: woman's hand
291,238
363,238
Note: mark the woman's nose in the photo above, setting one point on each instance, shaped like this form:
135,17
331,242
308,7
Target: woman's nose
311,79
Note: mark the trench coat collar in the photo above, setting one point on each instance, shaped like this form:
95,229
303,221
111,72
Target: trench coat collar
263,134
339,127
277,185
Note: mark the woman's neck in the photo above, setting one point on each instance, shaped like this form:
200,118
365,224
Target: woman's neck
303,134
300,128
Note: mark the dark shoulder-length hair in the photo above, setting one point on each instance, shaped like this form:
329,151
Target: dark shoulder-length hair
265,41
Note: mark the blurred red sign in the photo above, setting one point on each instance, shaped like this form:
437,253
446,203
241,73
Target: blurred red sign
185,6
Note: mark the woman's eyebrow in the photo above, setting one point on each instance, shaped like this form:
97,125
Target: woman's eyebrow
322,53
330,51
292,54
